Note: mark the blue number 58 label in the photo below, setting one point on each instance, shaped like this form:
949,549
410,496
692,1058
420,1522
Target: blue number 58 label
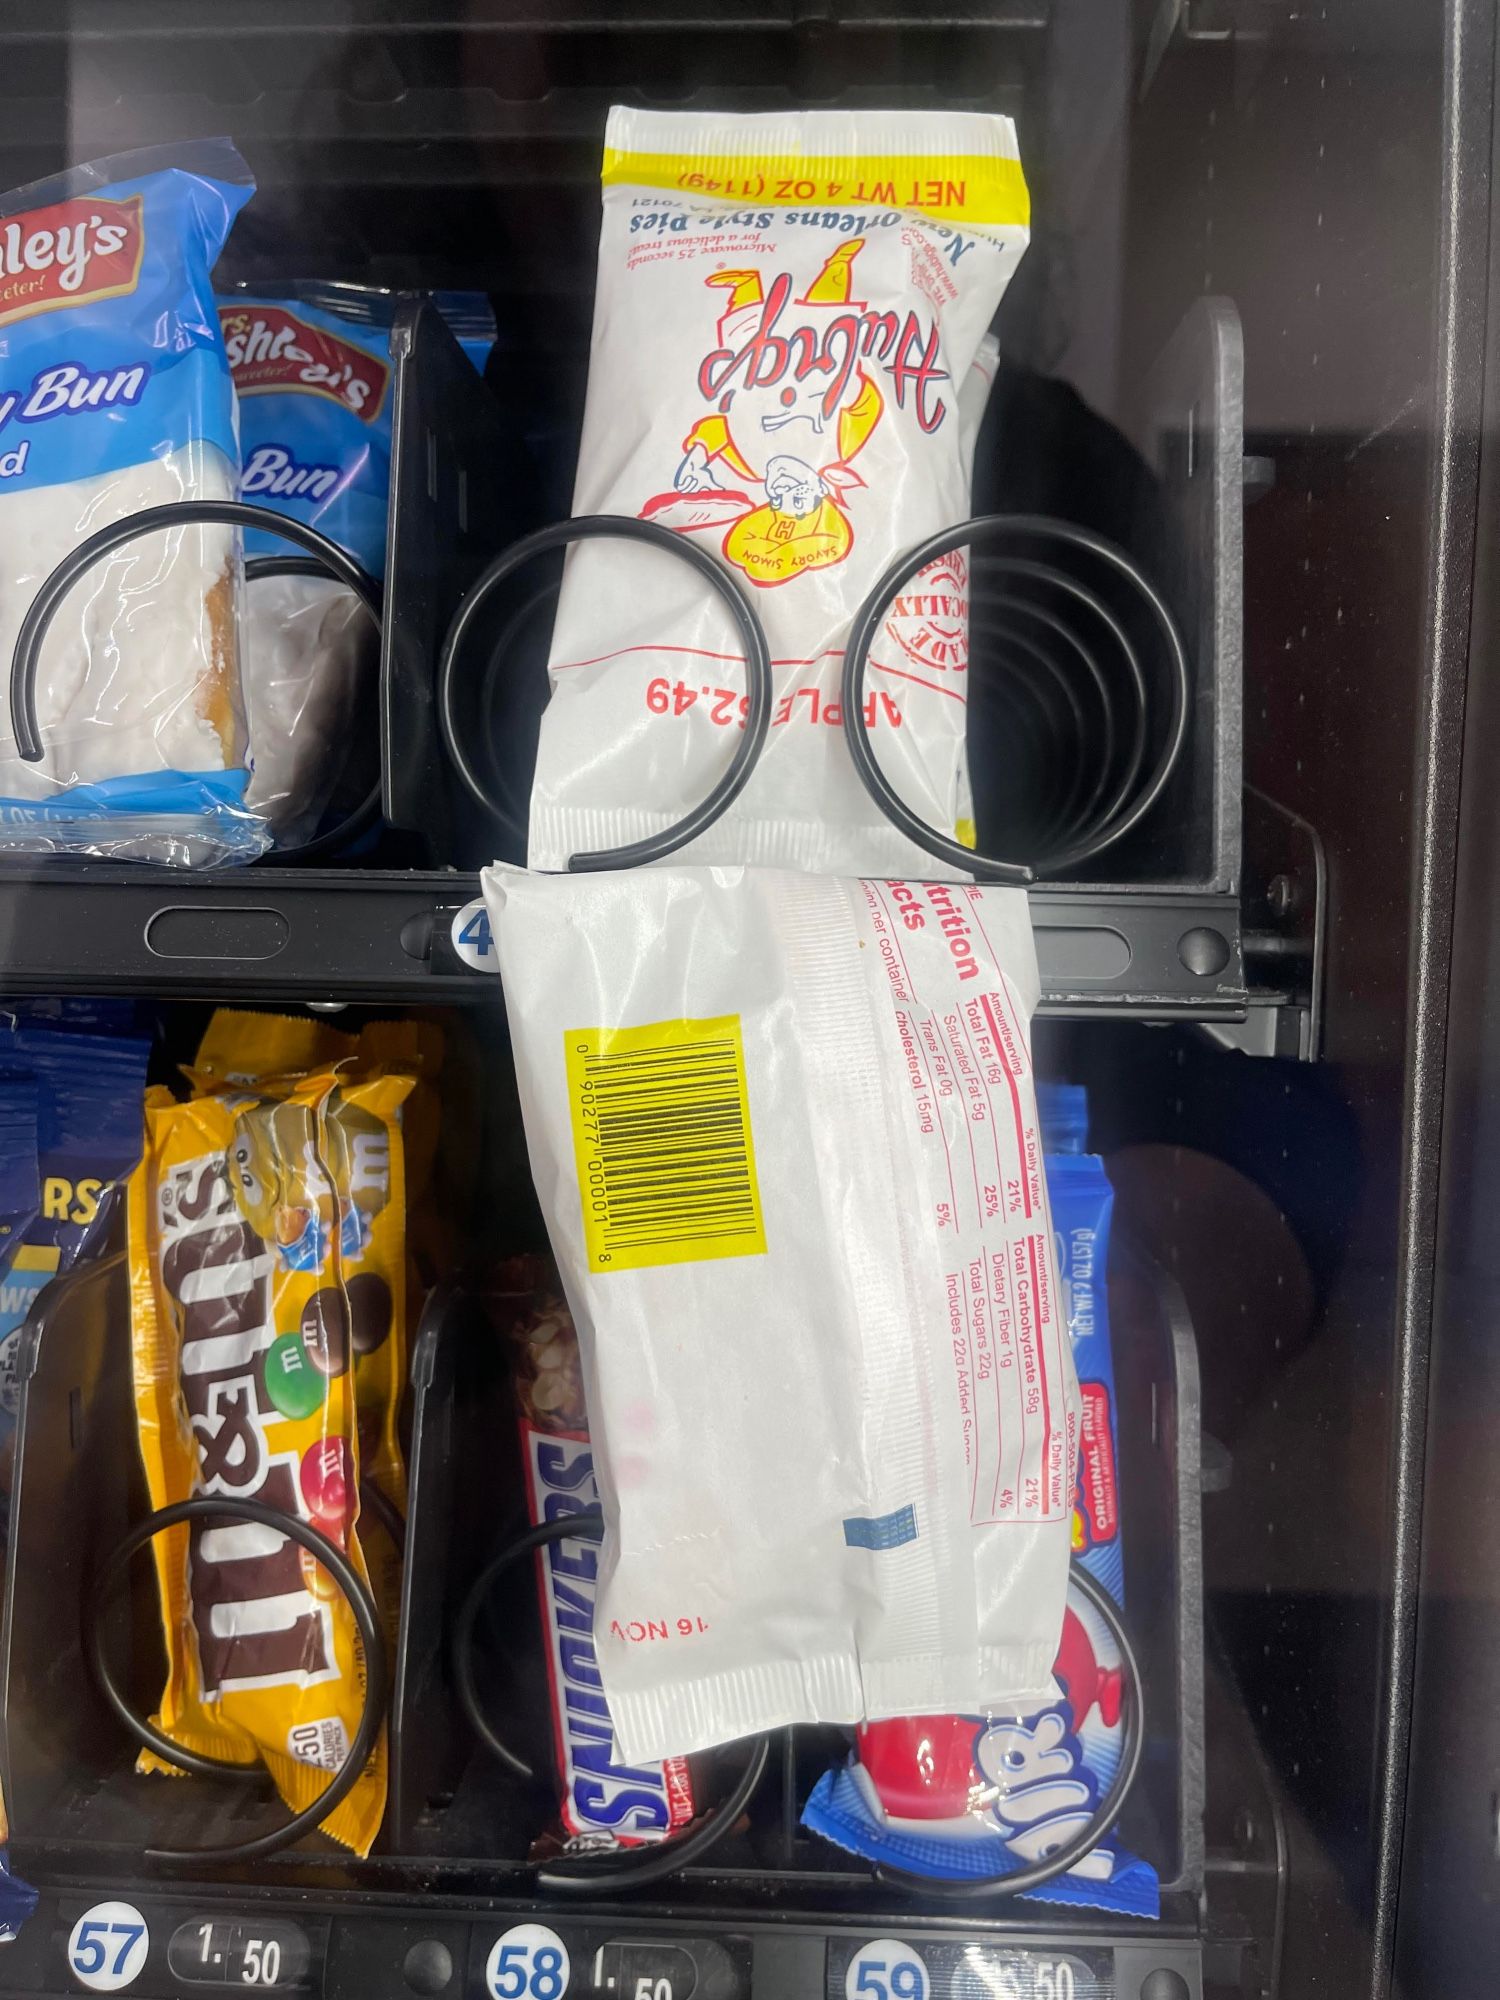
528,1962
107,1947
886,1970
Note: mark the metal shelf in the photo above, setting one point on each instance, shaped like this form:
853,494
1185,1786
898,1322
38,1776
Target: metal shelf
293,935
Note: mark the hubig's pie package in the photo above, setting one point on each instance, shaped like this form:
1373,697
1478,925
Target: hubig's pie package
783,1131
115,396
789,308
267,1252
960,1796
607,1799
312,368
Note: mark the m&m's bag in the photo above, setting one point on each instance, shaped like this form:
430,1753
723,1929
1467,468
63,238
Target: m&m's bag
267,1253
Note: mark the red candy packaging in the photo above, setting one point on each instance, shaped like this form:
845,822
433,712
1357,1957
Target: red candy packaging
607,1801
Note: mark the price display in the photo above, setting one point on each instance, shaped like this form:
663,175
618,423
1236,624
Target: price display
940,1969
665,1969
210,1952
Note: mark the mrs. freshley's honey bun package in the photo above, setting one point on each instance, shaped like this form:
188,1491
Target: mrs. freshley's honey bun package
115,396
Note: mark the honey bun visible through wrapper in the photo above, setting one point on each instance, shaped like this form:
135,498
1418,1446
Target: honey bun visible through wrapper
268,1268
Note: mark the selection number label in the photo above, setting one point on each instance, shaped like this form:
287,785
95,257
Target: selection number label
107,1947
886,1970
528,1962
472,937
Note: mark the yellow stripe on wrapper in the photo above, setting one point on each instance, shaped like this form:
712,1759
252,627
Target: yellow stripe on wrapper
974,189
267,1251
662,1138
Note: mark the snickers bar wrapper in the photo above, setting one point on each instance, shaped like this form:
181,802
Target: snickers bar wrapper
608,1800
266,1248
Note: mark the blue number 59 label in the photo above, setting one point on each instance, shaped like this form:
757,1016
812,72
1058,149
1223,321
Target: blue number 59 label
107,1947
886,1970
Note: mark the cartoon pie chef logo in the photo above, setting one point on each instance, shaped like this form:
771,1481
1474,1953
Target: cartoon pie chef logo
794,404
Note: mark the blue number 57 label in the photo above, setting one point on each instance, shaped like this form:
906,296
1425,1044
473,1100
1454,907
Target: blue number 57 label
107,1947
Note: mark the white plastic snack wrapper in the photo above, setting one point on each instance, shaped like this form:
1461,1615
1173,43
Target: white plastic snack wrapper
307,641
784,1133
788,310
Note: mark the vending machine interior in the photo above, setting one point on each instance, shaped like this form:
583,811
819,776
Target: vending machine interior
1228,592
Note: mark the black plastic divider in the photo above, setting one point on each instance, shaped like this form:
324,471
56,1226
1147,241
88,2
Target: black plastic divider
461,1439
461,491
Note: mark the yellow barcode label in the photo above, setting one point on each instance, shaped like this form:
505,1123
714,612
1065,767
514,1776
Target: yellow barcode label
661,1133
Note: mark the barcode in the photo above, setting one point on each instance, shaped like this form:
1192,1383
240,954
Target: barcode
661,1134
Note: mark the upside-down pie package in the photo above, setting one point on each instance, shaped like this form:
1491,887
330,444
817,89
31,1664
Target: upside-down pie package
115,396
789,309
266,1254
783,1129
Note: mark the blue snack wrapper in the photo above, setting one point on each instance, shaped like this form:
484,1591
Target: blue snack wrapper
70,1130
1063,1112
17,1901
962,1797
312,369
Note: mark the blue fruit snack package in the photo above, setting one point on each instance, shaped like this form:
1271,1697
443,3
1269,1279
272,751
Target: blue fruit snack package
312,369
115,396
961,1797
70,1125
1063,1109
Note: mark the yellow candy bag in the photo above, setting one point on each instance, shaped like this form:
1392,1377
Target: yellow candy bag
271,1055
267,1252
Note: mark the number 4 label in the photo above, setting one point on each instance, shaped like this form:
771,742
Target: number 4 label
886,1970
472,937
107,1947
527,1963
